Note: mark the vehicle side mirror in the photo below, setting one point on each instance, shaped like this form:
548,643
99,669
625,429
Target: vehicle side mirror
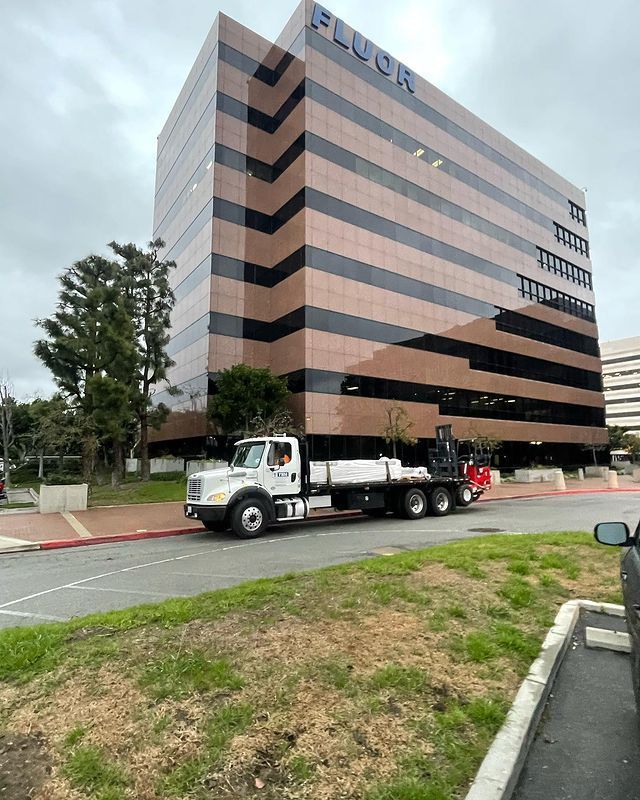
613,533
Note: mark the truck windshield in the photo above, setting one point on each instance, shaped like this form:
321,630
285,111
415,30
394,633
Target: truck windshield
248,455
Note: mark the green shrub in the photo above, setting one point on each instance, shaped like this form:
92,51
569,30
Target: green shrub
61,479
168,476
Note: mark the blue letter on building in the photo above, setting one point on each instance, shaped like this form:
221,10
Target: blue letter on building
362,47
340,36
320,17
404,76
384,62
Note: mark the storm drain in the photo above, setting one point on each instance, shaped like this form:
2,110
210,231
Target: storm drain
486,530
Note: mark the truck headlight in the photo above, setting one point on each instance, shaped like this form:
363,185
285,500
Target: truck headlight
217,497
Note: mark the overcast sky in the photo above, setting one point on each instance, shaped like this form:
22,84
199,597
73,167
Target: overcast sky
85,86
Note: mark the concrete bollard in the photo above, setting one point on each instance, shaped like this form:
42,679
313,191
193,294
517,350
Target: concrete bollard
580,474
613,479
558,481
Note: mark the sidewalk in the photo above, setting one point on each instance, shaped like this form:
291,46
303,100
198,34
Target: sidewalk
165,519
586,744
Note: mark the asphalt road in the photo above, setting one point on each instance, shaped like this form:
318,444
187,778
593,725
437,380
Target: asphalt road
586,746
59,584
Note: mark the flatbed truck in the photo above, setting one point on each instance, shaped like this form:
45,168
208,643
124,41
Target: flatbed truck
270,480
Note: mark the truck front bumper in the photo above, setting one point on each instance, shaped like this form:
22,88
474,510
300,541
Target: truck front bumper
205,513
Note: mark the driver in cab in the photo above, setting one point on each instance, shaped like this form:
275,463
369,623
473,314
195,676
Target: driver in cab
280,458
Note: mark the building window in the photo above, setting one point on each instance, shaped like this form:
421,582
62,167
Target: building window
577,213
548,296
572,240
567,270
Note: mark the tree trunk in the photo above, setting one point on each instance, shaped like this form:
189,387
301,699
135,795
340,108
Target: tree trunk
88,457
6,430
394,448
117,473
41,465
595,460
7,464
60,463
145,464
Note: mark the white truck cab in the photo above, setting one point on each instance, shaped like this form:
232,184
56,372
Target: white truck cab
270,480
263,479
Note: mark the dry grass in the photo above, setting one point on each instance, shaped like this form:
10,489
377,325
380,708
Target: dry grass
385,679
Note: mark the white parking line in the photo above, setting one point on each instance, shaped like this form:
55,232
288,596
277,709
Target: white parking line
217,575
126,591
47,617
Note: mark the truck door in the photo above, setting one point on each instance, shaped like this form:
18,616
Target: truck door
283,469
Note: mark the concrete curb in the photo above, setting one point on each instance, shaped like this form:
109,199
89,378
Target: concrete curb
499,772
9,545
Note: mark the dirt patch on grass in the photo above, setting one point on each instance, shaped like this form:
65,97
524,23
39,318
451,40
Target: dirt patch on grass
24,765
338,685
105,703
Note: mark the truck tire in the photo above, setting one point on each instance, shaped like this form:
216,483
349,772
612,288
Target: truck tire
440,501
249,518
216,527
413,504
464,496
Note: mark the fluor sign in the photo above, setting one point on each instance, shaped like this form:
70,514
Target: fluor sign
363,48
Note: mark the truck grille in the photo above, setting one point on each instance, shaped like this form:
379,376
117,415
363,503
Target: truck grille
194,489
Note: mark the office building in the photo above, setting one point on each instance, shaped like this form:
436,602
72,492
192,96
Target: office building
621,375
336,217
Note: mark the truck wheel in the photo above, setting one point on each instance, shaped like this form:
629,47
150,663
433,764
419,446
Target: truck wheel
249,518
440,501
464,496
216,527
414,504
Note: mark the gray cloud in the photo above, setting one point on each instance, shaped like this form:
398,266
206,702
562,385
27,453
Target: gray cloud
86,86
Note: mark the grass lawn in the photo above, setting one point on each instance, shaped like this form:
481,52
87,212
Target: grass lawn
132,491
151,492
4,506
381,680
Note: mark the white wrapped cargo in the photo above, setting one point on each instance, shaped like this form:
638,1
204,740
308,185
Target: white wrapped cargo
358,471
415,472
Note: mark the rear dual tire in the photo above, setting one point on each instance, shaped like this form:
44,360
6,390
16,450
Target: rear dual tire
413,504
440,501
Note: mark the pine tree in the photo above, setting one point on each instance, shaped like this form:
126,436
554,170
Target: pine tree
89,339
144,280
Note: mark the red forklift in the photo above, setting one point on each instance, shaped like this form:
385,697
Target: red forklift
462,458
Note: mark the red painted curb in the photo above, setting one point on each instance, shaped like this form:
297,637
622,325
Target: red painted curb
57,544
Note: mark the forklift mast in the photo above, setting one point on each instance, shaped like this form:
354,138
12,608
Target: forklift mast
444,459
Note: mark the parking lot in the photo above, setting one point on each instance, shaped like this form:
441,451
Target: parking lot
56,585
